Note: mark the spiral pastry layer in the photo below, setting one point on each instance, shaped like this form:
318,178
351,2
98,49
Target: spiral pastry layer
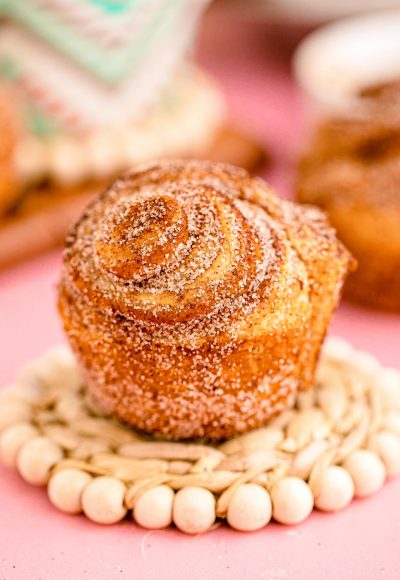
196,301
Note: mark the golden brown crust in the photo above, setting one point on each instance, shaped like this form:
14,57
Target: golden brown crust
8,138
196,301
353,172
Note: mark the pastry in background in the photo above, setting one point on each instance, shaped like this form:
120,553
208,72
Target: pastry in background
8,140
352,170
196,300
101,87
349,75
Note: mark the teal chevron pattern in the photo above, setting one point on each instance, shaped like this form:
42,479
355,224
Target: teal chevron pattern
109,38
115,6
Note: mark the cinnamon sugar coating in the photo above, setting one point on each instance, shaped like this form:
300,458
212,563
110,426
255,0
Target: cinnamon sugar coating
196,301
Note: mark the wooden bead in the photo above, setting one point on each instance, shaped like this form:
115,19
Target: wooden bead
389,384
366,363
367,471
13,411
36,458
292,500
103,500
388,447
65,489
12,440
336,491
153,509
249,508
57,366
194,510
27,391
338,349
391,422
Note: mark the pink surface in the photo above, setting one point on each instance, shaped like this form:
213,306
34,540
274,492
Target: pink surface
37,542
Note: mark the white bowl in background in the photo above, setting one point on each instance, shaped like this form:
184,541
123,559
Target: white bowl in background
308,12
336,61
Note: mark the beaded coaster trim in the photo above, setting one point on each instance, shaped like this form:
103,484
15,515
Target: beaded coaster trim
341,440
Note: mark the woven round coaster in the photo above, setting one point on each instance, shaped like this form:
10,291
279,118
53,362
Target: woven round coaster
342,440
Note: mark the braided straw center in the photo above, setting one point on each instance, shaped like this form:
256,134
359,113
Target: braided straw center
351,403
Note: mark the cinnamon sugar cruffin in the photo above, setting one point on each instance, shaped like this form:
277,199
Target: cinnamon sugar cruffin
196,301
351,169
304,443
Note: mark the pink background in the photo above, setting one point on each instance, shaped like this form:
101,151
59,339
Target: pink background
37,542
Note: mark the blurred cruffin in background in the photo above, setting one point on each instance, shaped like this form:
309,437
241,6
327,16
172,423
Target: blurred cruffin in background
351,73
89,88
